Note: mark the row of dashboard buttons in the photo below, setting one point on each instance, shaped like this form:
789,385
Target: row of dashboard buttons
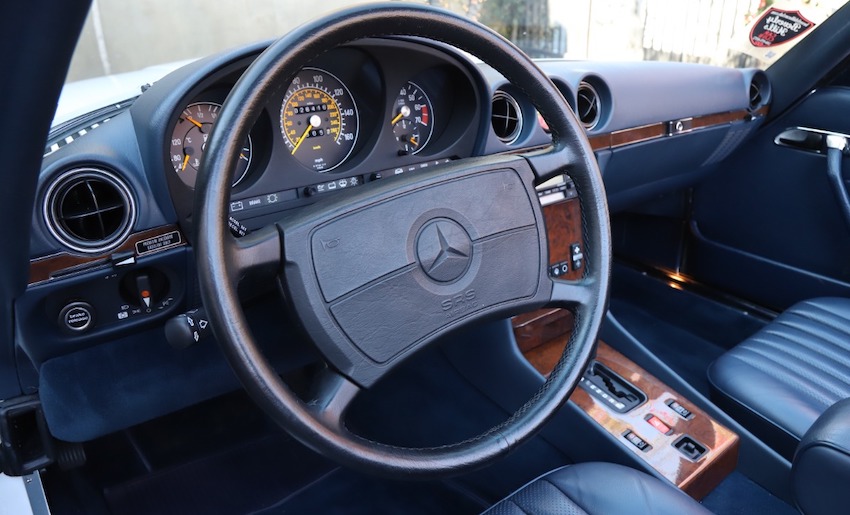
326,187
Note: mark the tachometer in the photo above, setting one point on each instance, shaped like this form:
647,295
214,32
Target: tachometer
189,140
318,120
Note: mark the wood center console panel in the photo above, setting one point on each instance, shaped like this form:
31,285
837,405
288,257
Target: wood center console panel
680,441
697,477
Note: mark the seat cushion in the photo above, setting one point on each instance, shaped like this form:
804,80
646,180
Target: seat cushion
780,380
597,488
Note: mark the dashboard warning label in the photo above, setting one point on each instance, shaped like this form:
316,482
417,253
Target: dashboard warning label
158,243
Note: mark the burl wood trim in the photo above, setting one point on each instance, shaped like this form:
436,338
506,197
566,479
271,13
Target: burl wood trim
696,479
563,228
44,268
659,130
536,328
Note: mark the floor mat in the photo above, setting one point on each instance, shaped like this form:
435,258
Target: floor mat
346,492
738,495
244,478
685,329
687,354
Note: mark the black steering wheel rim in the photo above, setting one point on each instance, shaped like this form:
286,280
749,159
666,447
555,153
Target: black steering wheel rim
220,264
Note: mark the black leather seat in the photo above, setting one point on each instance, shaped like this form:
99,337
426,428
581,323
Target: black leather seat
597,488
780,380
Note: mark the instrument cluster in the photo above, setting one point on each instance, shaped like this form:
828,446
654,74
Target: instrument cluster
357,114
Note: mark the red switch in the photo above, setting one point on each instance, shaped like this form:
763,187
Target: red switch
658,424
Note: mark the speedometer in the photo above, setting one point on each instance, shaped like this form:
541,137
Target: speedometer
318,120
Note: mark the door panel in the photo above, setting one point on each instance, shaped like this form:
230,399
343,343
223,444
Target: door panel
766,225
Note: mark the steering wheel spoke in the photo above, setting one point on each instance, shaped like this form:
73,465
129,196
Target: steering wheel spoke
555,160
573,293
256,256
332,395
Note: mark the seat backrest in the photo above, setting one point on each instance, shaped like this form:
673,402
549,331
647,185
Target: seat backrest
821,471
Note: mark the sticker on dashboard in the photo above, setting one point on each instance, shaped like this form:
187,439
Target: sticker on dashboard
158,243
777,26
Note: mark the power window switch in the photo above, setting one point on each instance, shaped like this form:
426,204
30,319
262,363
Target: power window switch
634,439
680,410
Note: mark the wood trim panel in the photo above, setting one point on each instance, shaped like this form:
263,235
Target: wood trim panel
563,228
45,268
536,328
659,130
638,135
695,478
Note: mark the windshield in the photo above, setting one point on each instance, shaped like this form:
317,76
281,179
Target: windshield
133,43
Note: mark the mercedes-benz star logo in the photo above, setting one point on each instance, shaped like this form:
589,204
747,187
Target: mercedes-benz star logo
444,250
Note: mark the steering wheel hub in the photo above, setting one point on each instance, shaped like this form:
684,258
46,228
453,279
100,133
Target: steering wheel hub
444,250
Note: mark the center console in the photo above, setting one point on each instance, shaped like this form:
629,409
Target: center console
671,436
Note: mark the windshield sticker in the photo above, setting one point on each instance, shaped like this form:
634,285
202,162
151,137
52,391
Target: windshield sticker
777,26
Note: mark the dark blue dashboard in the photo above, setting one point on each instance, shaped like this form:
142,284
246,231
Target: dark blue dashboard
655,127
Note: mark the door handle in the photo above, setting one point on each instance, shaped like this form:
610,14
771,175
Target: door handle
836,149
806,139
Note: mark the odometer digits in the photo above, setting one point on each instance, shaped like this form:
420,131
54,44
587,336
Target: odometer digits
318,120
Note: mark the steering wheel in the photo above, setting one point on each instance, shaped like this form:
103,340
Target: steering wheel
464,242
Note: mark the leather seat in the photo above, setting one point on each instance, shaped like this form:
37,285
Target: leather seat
597,488
780,380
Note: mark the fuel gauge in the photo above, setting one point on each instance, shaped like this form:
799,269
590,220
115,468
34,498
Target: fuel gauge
413,119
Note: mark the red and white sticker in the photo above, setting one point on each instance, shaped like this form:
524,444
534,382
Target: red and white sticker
778,26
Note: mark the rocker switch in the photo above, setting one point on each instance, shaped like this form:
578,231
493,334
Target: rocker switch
576,256
143,286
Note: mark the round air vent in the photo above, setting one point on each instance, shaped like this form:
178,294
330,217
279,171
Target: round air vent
755,95
89,210
506,118
759,92
587,105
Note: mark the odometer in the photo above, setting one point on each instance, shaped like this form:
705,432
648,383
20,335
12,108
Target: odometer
318,120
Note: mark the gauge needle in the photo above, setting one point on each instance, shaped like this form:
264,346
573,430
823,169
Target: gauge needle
200,126
413,141
403,112
185,162
315,121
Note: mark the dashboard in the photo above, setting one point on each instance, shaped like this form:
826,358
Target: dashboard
112,261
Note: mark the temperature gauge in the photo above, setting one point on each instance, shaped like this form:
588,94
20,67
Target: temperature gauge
413,119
